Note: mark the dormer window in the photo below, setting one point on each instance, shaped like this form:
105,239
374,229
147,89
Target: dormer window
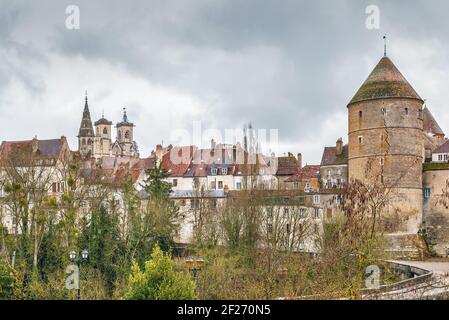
224,171
213,171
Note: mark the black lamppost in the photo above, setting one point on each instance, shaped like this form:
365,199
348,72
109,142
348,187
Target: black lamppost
195,265
78,261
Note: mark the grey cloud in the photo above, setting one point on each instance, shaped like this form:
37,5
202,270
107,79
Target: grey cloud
287,64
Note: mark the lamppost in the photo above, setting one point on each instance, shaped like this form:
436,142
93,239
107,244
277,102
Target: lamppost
78,261
195,265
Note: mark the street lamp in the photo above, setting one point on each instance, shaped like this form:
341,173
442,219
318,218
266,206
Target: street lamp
84,256
195,265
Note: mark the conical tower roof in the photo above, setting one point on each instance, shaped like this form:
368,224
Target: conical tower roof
86,128
385,81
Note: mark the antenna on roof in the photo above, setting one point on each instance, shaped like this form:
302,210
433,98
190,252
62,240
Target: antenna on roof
385,45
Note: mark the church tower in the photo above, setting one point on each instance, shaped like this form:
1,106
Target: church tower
125,144
86,134
386,142
103,141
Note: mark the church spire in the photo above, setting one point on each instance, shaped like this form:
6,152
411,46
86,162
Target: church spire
86,128
385,45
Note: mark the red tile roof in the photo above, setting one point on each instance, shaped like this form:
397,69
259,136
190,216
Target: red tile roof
306,173
330,157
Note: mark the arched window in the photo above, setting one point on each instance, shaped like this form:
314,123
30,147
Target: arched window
127,135
89,142
83,142
105,131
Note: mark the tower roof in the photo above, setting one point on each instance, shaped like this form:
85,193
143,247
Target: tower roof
125,122
86,129
103,121
385,81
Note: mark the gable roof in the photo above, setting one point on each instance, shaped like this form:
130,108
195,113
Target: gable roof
330,157
385,81
34,149
177,160
444,148
287,166
430,125
306,173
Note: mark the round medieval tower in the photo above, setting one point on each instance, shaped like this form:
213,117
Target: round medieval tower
386,143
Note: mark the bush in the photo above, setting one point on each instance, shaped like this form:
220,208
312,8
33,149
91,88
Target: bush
159,280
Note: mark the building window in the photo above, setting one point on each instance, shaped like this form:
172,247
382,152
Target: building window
445,157
301,245
287,228
360,114
315,227
338,172
224,171
214,203
127,135
220,184
175,182
316,213
105,131
238,185
295,185
383,111
360,139
419,113
302,212
213,185
194,203
426,193
406,111
307,187
213,171
316,199
382,161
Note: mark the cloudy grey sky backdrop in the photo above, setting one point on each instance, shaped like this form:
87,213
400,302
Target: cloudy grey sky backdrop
291,65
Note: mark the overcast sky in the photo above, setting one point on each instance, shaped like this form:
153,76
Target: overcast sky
283,64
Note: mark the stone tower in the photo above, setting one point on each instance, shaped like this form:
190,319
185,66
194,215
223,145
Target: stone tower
385,119
103,141
125,144
86,134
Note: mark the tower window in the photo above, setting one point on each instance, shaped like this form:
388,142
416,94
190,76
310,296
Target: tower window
127,135
383,111
83,142
420,114
406,111
105,131
360,114
360,139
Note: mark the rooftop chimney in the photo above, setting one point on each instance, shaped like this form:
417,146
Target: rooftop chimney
158,154
339,149
300,160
